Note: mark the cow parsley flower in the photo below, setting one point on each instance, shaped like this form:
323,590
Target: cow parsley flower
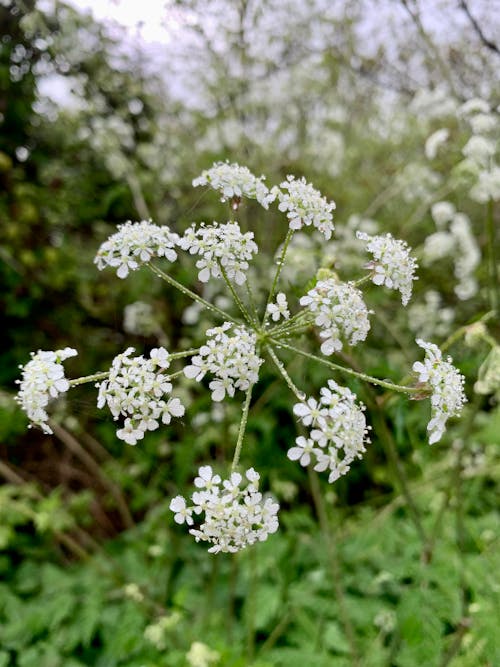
280,308
392,263
42,380
338,432
487,186
340,313
138,390
220,245
236,514
234,182
231,358
442,212
139,319
435,141
473,106
480,150
304,205
136,243
446,383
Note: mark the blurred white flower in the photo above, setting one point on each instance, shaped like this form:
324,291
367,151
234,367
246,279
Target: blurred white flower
434,142
201,655
442,212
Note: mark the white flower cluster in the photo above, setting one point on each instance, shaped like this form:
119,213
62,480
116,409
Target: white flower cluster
488,377
447,385
430,317
235,516
135,389
338,431
393,265
220,245
304,205
487,186
42,380
234,182
458,241
136,243
279,309
340,313
434,142
139,319
231,358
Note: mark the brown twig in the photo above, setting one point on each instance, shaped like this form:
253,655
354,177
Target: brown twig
82,454
488,43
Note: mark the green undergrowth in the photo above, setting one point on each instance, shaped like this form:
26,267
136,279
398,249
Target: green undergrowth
143,599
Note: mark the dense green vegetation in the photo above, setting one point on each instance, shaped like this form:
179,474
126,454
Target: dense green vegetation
395,564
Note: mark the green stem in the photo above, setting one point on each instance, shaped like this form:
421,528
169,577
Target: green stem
281,368
185,353
298,320
236,297
281,262
175,375
349,371
88,378
241,431
363,280
196,297
456,335
104,374
490,231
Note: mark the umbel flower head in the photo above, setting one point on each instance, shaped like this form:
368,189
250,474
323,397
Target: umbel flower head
338,431
136,389
340,313
392,263
43,380
304,205
234,182
447,385
236,516
231,358
220,246
136,243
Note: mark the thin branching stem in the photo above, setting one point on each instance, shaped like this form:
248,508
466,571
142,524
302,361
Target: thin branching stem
242,428
95,377
349,371
192,295
281,262
281,368
235,294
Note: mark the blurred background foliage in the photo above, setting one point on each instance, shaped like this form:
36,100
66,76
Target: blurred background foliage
394,565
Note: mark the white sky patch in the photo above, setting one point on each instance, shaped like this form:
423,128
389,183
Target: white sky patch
151,20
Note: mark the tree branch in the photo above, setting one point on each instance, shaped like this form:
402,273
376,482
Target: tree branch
478,30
